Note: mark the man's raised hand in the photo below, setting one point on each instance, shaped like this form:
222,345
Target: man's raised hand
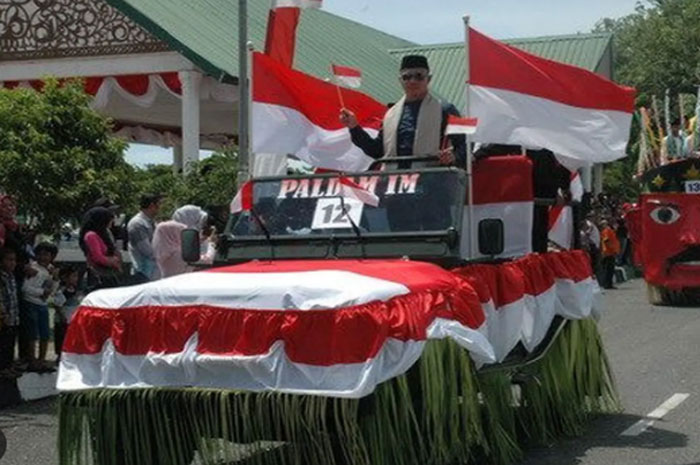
447,156
348,118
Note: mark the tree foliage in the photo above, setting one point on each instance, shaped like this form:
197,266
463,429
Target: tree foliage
657,47
211,183
57,155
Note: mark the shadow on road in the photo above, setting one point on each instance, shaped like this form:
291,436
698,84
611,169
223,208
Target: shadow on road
27,413
604,432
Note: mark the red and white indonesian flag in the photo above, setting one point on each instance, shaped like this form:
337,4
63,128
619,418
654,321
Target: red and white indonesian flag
523,99
350,77
561,218
457,125
510,199
295,113
243,201
331,327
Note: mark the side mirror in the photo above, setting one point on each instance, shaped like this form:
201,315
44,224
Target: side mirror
190,246
491,237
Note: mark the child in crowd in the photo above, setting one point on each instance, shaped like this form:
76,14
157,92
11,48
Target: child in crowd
66,301
36,292
9,312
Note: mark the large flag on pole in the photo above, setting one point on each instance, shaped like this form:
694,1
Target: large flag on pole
282,23
295,113
523,99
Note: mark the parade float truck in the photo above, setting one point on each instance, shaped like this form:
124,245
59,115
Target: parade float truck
334,329
665,232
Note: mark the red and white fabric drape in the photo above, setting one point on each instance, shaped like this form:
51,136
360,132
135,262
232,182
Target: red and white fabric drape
331,327
140,89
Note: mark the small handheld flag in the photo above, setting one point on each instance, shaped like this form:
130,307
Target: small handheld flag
349,189
350,77
457,125
243,201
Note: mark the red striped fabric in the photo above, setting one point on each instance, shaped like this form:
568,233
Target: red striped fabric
135,84
323,338
532,275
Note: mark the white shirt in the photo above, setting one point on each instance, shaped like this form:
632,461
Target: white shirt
33,288
593,233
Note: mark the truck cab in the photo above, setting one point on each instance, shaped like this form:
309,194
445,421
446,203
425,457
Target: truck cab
421,215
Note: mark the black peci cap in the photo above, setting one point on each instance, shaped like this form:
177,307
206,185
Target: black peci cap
414,61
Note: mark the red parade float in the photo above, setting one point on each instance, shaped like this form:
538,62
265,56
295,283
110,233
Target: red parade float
664,229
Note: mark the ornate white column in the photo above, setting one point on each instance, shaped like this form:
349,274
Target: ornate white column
191,82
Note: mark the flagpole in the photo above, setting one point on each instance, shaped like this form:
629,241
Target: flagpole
467,109
243,94
696,129
250,49
337,88
670,141
681,106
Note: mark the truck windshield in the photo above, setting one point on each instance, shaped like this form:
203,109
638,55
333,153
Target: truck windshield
409,201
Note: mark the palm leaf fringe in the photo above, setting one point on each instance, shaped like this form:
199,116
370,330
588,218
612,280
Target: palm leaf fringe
442,411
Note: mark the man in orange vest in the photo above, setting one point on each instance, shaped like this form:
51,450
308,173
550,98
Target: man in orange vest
610,246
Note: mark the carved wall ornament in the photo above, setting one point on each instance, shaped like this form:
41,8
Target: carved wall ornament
60,28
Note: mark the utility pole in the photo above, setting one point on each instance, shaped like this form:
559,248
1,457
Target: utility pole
243,93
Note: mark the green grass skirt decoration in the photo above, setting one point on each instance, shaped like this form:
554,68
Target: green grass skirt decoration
442,411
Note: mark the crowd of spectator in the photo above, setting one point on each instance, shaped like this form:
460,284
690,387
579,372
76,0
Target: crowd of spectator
31,284
604,235
32,287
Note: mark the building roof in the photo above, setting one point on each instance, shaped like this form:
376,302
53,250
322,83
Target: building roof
206,32
447,61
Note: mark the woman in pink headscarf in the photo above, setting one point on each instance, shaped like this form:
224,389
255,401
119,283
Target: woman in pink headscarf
167,243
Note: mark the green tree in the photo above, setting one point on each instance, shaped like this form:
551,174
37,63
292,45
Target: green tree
211,183
57,155
657,47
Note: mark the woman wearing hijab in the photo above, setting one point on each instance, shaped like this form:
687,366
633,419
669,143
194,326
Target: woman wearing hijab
103,260
167,243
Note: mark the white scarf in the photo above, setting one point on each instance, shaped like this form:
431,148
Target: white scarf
428,130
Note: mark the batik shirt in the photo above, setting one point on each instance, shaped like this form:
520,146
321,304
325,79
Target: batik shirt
9,299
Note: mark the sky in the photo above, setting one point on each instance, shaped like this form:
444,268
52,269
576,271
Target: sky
437,21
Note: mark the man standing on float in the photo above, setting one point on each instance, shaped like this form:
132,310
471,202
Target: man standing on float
415,125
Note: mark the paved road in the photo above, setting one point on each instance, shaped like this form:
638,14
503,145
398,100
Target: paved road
655,353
